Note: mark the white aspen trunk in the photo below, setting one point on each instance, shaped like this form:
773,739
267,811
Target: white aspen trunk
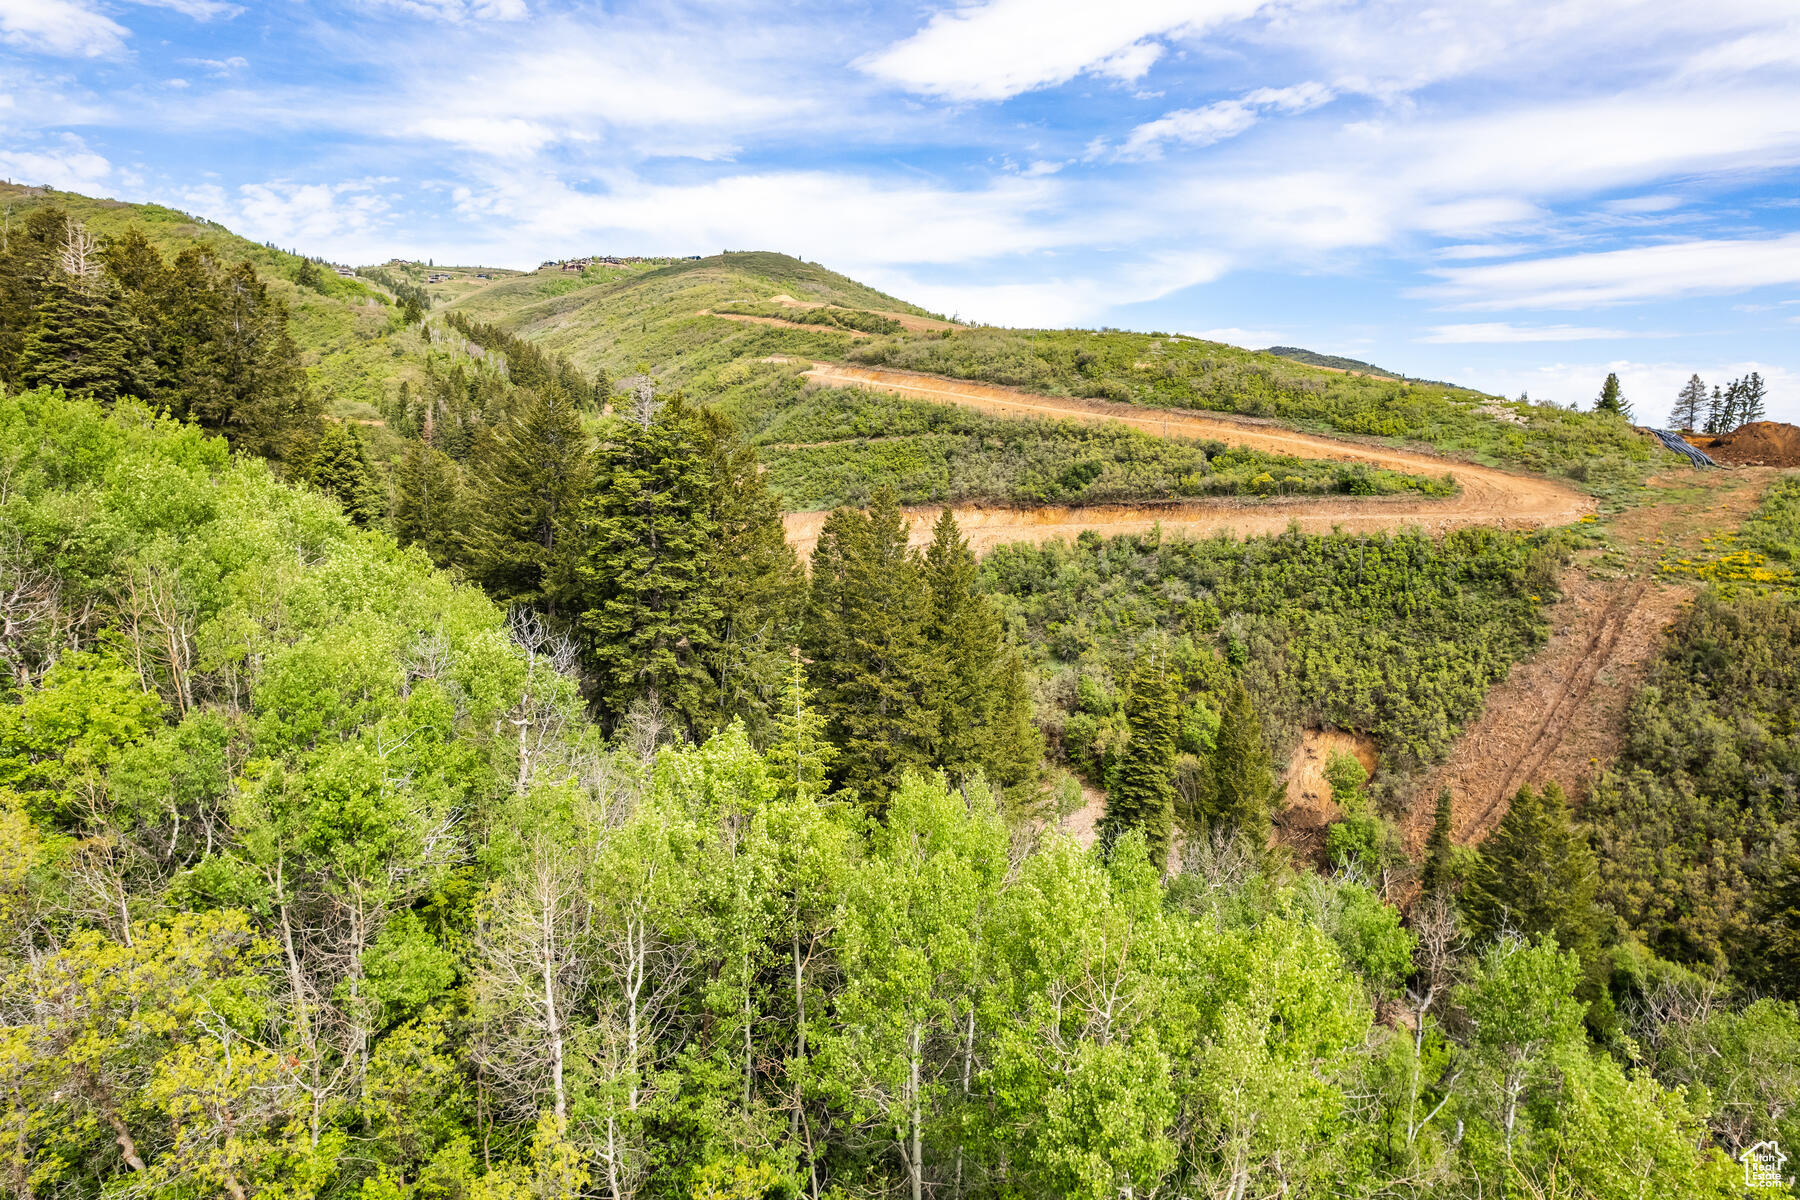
635,971
800,1031
913,1102
552,1021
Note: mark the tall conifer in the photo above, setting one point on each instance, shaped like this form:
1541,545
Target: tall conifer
1242,770
1140,791
865,629
1536,875
1436,874
427,502
643,575
530,472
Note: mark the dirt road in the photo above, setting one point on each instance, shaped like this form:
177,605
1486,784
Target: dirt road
1488,496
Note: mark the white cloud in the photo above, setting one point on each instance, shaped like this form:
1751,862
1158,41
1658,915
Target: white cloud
1223,119
460,10
1058,301
1000,48
1666,271
199,10
486,135
1502,333
69,165
220,67
1249,339
69,28
343,219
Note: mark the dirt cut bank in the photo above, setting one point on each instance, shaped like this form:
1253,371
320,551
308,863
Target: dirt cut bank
1486,495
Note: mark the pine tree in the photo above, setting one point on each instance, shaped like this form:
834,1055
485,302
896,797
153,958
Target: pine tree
757,583
1245,778
1715,412
1140,792
339,467
1731,412
964,632
865,631
529,473
427,502
1751,399
1436,875
978,697
27,264
83,341
1688,405
1612,399
799,754
1536,875
643,575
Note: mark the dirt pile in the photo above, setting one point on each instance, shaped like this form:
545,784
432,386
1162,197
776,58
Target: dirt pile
1758,444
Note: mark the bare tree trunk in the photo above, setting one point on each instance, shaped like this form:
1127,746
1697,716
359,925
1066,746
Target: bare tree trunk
916,1116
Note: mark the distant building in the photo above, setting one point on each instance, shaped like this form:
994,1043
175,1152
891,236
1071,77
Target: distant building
438,277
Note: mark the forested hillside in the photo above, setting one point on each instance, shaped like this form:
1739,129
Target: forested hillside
319,882
428,771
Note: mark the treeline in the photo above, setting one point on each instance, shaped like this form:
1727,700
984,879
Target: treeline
413,299
320,884
1738,403
529,366
195,337
659,547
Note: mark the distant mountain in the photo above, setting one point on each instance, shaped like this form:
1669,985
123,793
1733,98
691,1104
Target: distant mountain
1331,362
1356,366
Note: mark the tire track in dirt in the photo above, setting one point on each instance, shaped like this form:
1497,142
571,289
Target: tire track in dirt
1487,495
1560,712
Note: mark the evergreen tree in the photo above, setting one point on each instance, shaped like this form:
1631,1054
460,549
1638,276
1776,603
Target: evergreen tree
27,264
1242,768
1752,396
1536,875
1688,405
427,508
865,630
1612,399
1715,412
756,581
1013,750
339,467
978,697
1140,792
799,755
1436,875
529,473
83,341
1731,412
643,575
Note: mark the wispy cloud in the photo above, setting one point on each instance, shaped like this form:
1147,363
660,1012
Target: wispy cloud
67,28
1220,120
1001,48
1498,333
1676,269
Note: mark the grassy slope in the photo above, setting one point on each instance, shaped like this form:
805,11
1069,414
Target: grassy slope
344,331
1599,451
618,319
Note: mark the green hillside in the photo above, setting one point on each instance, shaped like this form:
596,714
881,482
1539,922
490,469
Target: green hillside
615,318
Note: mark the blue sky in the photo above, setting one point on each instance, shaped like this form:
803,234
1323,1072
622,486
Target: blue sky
1517,196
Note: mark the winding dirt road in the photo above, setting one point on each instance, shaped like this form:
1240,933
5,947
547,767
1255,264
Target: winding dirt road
1487,496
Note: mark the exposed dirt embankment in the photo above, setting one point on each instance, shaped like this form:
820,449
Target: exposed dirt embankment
1487,496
